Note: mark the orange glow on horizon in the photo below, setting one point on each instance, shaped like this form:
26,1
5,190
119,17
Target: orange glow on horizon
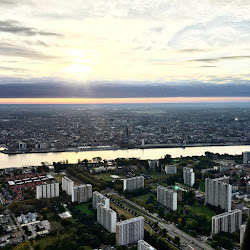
122,100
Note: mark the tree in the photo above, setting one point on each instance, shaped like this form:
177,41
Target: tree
246,240
177,240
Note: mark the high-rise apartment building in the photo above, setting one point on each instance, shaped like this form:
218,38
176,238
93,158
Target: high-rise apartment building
242,233
227,222
130,231
170,169
47,190
153,163
218,192
246,157
167,198
133,183
143,245
67,185
99,198
188,176
82,193
106,217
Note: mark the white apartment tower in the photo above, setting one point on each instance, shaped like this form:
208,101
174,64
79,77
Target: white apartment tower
82,193
227,222
143,245
47,190
188,176
133,183
170,169
67,185
106,217
218,192
99,198
242,233
246,157
167,198
130,231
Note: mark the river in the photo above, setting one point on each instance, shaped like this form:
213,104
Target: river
19,160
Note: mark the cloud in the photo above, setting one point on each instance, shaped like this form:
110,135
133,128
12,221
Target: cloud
217,59
218,32
15,27
11,69
14,2
49,88
13,50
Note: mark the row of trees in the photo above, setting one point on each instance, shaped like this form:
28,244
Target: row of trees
86,177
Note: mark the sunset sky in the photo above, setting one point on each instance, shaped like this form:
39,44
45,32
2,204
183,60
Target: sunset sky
182,51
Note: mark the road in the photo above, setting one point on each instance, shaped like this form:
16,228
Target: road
172,229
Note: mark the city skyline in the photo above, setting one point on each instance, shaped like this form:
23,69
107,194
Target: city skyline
124,51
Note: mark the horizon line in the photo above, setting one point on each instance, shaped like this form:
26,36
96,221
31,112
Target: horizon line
124,100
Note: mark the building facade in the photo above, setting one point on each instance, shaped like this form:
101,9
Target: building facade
82,193
218,192
246,157
67,185
167,198
106,217
170,169
99,198
133,183
130,231
143,245
47,190
188,176
242,233
227,222
153,163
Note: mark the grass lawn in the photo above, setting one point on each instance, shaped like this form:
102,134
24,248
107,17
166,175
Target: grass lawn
155,174
84,208
142,198
199,209
202,187
47,240
104,176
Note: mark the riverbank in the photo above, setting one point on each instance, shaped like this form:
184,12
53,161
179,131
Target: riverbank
19,160
147,146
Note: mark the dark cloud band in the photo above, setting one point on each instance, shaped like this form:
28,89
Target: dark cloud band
120,90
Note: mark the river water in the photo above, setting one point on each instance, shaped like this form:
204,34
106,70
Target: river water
19,160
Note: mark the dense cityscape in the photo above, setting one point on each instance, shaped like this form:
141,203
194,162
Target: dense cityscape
193,202
67,128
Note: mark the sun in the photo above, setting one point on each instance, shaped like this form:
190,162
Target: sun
78,68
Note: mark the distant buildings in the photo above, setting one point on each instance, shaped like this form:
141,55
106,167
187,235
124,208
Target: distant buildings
153,163
246,157
130,231
188,176
218,192
106,217
167,198
133,183
99,198
227,222
82,193
67,185
170,169
47,190
143,245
